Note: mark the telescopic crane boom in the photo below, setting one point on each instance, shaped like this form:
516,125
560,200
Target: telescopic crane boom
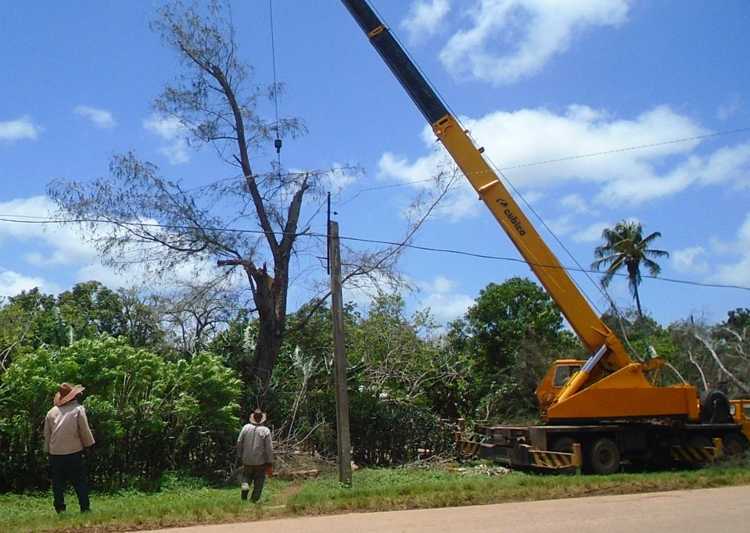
609,365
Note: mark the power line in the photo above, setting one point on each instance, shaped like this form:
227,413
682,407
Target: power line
629,148
565,158
30,219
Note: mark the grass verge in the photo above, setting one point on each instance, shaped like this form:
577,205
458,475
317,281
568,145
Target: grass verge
373,490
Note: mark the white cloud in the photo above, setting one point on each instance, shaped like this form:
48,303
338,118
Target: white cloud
12,283
339,178
575,203
56,246
737,272
591,233
627,177
533,30
561,225
66,244
425,18
19,129
533,197
174,132
101,118
441,298
691,259
361,290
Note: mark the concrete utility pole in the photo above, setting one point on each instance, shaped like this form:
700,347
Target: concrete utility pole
343,437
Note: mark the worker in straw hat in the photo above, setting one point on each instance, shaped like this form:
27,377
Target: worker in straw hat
255,451
66,435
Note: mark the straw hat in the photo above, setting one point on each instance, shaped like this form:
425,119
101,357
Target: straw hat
257,417
67,393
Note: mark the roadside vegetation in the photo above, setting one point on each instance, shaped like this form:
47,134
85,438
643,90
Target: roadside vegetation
181,503
172,370
163,397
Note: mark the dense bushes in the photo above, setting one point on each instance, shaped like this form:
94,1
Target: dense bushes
148,415
154,408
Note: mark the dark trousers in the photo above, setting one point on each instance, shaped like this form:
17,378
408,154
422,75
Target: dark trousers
64,468
255,474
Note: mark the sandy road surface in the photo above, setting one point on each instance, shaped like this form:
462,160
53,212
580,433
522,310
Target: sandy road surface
725,510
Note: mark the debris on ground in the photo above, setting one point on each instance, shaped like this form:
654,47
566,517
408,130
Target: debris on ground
296,465
482,469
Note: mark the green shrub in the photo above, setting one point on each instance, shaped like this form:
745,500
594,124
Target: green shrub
148,415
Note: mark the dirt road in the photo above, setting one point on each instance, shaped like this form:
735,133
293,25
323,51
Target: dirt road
725,510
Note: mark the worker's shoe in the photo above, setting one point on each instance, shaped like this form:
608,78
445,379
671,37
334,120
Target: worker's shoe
245,491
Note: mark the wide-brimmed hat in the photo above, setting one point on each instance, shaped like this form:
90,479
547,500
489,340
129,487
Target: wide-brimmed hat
257,417
67,393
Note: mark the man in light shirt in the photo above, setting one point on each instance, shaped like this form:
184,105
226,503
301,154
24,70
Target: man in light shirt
66,435
255,451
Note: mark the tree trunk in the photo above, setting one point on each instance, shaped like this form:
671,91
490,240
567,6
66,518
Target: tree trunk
633,276
269,295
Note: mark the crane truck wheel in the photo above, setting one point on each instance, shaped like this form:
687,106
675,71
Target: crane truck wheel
715,408
734,444
604,456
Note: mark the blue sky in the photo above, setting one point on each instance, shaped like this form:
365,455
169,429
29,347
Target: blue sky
533,81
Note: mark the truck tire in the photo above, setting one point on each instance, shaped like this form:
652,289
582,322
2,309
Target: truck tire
735,444
604,456
715,408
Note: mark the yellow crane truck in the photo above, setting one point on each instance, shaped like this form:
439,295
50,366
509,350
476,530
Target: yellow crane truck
598,412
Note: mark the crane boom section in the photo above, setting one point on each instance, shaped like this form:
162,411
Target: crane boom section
589,327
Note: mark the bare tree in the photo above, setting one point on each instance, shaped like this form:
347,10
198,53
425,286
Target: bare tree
137,216
718,353
193,313
156,222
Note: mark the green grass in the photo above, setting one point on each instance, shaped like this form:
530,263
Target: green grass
373,490
174,506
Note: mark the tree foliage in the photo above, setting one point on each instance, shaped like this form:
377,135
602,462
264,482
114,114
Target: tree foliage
148,415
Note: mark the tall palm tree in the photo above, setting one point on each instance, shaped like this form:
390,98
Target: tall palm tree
625,247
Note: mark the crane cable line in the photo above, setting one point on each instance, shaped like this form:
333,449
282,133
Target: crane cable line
277,143
30,219
500,174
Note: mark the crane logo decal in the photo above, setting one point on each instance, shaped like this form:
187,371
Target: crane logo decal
512,217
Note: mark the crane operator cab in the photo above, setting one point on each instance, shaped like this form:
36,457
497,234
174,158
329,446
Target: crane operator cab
555,379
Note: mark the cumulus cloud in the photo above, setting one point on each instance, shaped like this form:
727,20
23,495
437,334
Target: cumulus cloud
12,283
101,118
65,244
63,247
737,272
691,259
574,202
507,40
339,178
170,129
591,233
425,18
19,129
628,177
444,302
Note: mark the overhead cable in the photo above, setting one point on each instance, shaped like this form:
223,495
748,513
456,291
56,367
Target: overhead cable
29,219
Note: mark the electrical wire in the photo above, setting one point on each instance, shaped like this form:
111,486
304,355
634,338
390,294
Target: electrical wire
562,159
30,219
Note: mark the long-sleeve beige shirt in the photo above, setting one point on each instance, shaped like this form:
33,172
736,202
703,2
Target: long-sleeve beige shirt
66,430
254,445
